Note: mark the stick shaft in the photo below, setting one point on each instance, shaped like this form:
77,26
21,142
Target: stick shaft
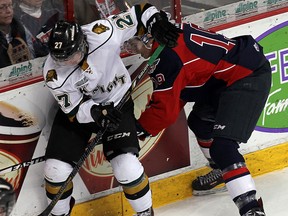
21,165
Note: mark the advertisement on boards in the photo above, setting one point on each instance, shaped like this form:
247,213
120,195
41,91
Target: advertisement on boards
234,12
274,116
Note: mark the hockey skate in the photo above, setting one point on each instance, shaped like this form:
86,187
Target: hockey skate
259,211
148,212
255,212
72,203
210,183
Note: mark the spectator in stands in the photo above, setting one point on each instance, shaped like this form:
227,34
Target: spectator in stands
87,11
16,43
39,16
158,3
90,10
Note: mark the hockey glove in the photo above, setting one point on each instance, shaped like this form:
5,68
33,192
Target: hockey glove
106,116
142,134
163,31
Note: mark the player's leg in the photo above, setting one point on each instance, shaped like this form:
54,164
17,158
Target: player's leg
201,122
56,172
129,172
121,148
236,175
239,108
66,145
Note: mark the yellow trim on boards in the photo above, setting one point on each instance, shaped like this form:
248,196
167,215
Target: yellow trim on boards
178,187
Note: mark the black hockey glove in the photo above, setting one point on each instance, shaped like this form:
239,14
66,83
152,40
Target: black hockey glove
142,134
163,31
106,116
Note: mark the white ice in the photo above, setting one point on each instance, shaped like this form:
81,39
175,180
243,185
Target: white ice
272,187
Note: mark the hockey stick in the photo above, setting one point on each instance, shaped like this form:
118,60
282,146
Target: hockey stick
98,137
21,165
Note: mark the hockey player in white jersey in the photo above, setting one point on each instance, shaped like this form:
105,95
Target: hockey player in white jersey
87,77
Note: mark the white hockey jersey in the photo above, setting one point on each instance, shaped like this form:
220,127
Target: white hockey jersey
102,76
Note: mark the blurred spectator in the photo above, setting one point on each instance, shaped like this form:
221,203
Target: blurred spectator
37,13
16,42
87,11
157,3
39,16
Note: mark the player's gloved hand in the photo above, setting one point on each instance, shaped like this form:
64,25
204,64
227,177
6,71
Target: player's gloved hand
142,134
106,116
163,31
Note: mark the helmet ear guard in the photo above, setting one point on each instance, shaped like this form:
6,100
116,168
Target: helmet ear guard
66,38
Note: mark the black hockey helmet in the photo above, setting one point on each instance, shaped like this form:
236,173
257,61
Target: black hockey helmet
66,38
7,198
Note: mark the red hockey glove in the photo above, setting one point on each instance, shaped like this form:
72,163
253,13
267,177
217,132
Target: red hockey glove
106,116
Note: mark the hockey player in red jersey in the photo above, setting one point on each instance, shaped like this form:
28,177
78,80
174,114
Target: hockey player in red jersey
7,198
222,117
86,75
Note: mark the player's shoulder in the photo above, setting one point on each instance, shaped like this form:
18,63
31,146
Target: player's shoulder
55,76
98,27
98,32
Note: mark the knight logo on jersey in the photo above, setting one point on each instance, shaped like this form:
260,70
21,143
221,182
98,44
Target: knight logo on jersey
86,68
99,28
51,75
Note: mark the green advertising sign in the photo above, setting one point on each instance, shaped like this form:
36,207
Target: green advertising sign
274,117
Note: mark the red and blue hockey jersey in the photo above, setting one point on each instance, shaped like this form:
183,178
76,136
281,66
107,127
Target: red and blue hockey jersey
200,54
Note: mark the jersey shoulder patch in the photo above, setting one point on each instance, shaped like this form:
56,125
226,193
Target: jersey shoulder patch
51,76
99,28
98,33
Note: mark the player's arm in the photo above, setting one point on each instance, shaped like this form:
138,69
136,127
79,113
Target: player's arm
84,110
69,102
165,104
162,112
159,26
144,18
67,97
